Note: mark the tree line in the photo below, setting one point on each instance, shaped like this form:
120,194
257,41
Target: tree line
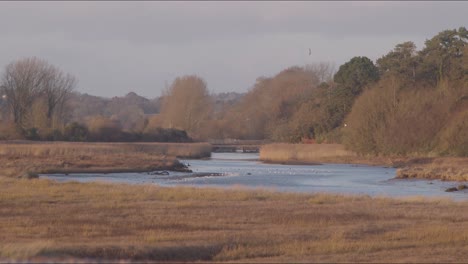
35,101
420,102
409,101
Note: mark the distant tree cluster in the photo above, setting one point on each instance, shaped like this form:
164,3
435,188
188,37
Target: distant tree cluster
130,109
106,129
37,104
408,102
298,104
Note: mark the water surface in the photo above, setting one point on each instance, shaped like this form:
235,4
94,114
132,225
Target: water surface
243,169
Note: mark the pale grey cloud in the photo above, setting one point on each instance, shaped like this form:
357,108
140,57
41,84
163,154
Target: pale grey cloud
117,47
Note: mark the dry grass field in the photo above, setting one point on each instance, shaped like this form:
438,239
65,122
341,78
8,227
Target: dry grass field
24,158
42,220
444,168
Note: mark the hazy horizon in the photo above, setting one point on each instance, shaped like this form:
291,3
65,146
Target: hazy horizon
114,48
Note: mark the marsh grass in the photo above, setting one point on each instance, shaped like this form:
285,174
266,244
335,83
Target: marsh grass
45,219
308,153
443,168
27,159
179,150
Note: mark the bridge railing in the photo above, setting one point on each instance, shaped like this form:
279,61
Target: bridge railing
237,142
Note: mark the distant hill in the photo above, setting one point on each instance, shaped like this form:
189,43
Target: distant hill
130,106
85,105
132,99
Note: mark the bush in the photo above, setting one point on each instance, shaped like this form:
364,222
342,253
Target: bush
367,119
75,132
51,135
393,120
454,137
31,134
165,135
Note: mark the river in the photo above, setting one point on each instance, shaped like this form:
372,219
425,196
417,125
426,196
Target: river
227,170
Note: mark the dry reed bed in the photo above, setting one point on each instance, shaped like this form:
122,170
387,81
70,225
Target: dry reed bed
444,168
179,150
26,159
43,220
310,153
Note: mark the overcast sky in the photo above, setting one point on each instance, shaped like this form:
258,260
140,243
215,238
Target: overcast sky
117,47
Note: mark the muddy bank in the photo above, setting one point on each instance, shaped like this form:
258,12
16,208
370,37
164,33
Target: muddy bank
292,162
30,167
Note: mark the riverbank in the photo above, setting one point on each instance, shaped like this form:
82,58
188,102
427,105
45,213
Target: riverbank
27,159
443,168
43,220
450,169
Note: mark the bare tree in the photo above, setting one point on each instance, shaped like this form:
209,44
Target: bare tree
58,87
186,104
323,71
21,84
27,80
3,107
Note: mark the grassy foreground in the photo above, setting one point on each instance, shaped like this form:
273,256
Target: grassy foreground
444,168
43,220
25,158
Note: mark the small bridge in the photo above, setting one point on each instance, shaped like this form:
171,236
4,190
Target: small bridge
236,145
